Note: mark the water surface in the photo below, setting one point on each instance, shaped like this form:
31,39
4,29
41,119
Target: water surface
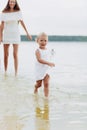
66,107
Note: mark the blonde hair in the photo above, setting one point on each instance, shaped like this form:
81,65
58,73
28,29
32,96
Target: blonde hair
40,35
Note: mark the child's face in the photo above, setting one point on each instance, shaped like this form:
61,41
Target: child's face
42,41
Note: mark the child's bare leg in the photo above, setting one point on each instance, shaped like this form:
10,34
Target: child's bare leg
46,85
37,85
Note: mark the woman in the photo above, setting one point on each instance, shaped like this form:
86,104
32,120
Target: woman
10,19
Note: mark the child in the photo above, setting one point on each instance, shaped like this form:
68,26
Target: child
42,64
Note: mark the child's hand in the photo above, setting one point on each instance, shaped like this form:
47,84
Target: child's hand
51,64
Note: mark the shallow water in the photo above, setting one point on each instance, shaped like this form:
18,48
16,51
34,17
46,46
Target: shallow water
66,107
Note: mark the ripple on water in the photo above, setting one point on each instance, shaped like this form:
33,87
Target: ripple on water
19,107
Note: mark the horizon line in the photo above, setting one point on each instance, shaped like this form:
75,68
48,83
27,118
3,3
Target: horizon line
61,38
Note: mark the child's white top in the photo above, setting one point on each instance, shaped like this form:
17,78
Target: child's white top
42,69
11,32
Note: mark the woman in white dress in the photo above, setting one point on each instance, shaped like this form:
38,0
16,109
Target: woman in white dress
10,19
43,64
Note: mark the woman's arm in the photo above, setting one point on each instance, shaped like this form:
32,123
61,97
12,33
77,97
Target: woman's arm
1,31
0,34
23,25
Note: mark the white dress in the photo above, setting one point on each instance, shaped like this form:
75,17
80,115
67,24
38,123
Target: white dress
11,33
42,69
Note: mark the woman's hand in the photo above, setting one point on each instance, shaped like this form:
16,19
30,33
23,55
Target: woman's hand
29,37
0,40
23,25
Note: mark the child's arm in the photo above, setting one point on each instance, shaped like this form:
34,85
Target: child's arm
23,25
38,56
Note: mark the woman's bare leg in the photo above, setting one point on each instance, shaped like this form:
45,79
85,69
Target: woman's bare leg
15,55
46,85
6,54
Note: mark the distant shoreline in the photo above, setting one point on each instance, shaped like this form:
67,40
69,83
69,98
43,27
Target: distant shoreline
60,38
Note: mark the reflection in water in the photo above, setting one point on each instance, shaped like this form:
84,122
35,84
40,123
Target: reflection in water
68,92
42,114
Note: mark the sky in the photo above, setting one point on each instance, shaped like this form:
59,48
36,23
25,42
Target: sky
55,17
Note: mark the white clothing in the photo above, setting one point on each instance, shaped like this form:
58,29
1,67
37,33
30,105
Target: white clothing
42,69
11,34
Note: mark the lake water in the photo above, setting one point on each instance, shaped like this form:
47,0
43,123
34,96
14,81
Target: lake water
66,107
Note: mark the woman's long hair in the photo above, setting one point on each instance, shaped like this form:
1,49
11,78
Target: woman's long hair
7,8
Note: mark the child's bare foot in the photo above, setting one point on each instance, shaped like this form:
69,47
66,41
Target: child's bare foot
35,90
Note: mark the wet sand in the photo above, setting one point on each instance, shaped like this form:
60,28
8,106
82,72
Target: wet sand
66,107
20,109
